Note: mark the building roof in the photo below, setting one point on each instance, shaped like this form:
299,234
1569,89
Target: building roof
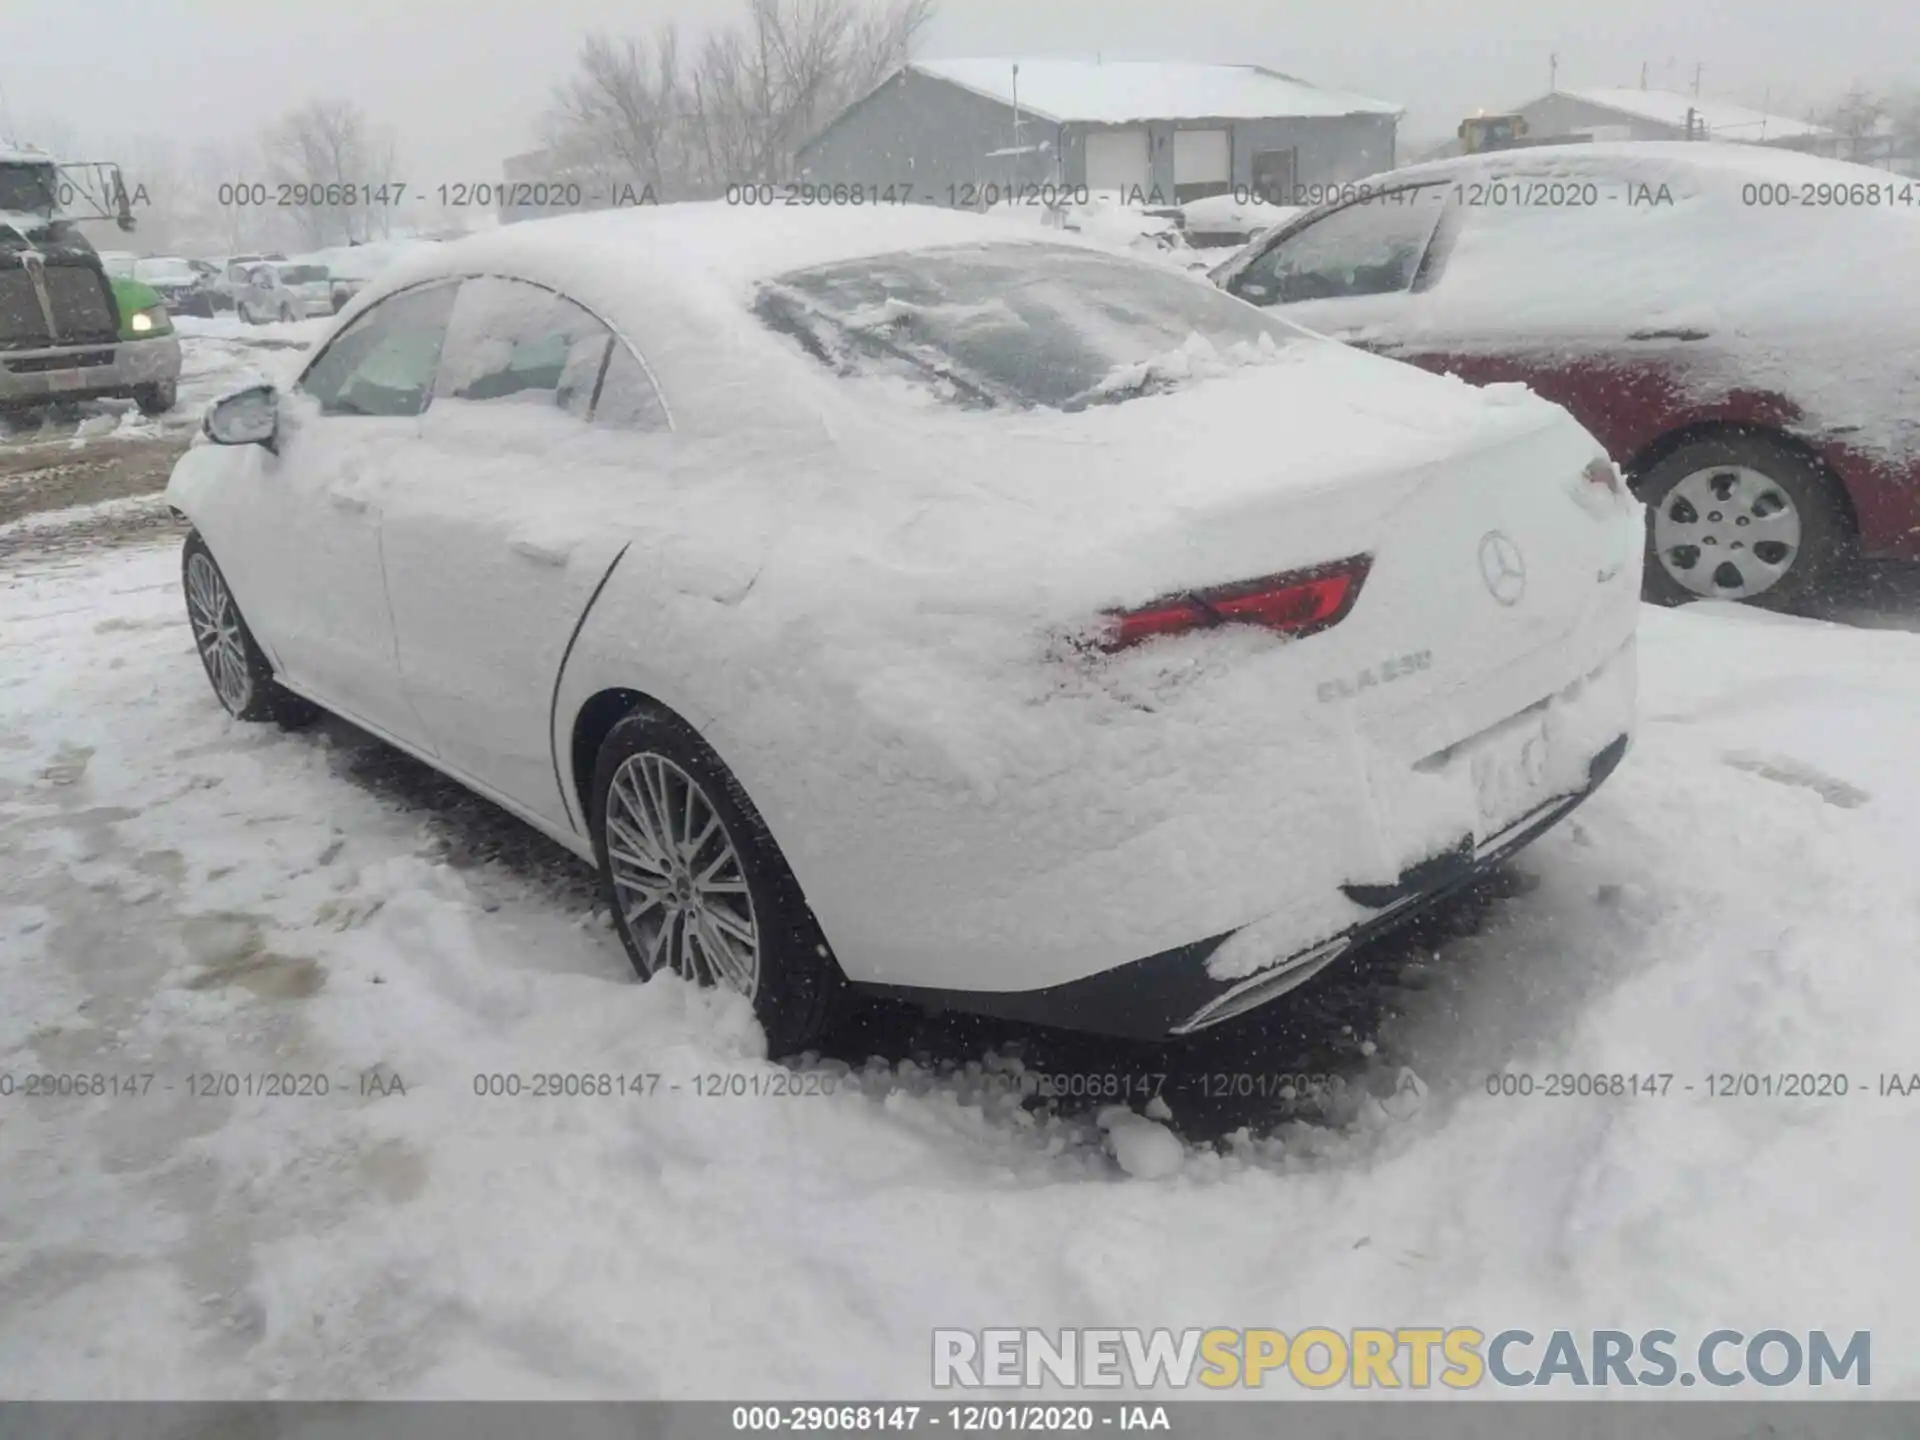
1113,92
1724,121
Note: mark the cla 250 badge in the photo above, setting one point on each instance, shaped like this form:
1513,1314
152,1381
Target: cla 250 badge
1384,673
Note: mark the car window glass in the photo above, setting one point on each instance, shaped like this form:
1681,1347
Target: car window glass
1013,325
384,363
1371,247
628,399
517,343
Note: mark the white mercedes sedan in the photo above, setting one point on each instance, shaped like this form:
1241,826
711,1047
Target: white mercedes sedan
895,601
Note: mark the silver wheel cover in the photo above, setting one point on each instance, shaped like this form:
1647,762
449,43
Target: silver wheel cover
216,633
1727,532
678,879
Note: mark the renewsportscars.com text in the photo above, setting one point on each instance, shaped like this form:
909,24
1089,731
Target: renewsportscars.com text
1415,1358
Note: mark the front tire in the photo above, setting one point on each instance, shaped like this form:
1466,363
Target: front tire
1741,517
698,886
240,674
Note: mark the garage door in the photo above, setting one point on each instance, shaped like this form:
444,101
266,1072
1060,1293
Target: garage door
1117,160
1202,163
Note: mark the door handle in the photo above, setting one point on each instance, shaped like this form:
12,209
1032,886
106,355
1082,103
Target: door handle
346,500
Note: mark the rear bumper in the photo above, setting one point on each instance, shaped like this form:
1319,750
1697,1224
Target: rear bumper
68,372
1174,993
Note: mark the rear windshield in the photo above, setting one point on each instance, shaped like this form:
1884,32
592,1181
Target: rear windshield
1010,325
302,274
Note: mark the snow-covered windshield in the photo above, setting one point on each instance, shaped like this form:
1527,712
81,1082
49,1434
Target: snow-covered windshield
303,274
165,270
1009,324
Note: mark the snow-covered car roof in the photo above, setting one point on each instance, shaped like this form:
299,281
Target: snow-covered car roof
681,281
1112,92
646,252
19,152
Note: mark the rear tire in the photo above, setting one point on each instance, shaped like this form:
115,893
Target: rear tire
286,315
156,399
697,885
241,676
246,313
1741,517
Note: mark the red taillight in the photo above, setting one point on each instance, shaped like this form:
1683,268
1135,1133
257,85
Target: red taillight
1297,603
1604,475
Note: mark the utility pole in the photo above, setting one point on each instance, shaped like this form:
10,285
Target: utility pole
1553,74
1016,162
1643,74
1698,66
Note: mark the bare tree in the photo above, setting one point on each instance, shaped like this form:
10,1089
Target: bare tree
621,116
1903,124
331,145
1854,117
217,171
757,90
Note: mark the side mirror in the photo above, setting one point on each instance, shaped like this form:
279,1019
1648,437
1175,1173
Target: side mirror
246,417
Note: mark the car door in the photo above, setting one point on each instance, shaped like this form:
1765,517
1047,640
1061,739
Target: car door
350,433
497,546
1350,272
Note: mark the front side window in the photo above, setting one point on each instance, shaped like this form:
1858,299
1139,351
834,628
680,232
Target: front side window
1370,247
385,362
1008,325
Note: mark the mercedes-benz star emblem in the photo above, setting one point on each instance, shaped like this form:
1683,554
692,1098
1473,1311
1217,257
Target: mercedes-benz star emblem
1502,568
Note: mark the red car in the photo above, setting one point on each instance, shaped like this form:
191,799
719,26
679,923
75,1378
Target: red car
1739,326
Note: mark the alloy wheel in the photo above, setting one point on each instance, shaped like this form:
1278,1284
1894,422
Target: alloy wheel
1728,532
677,877
216,632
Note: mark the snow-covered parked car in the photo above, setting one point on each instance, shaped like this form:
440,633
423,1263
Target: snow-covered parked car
178,282
907,600
285,290
1735,323
1230,221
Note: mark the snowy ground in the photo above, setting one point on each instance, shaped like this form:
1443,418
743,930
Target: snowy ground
216,358
184,896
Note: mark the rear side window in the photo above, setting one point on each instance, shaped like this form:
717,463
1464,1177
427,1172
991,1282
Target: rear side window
628,399
512,342
385,362
1370,247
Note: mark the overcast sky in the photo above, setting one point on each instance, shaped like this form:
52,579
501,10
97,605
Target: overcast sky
464,80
